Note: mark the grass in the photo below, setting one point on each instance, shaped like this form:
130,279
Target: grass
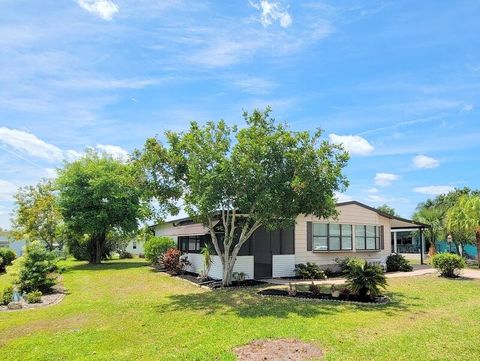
122,310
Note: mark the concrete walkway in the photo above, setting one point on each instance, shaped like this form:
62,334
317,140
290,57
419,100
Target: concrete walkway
418,271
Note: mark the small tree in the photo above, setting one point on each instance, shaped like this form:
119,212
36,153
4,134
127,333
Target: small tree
448,264
262,175
37,216
99,195
206,253
464,218
37,268
433,217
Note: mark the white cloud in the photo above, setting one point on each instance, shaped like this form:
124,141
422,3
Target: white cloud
7,190
467,108
51,173
434,190
29,144
272,11
422,161
72,155
254,85
114,151
372,190
104,9
385,179
354,144
342,197
373,198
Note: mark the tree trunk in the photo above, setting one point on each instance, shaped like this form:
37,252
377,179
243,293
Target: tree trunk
97,251
477,235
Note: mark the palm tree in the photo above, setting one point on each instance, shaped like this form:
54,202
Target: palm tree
464,217
433,217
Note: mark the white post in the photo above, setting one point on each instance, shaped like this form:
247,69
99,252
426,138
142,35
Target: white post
394,242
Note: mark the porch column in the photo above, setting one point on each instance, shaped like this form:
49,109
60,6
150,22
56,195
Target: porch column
395,242
421,245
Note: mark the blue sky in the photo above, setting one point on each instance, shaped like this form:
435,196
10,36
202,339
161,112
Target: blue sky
396,81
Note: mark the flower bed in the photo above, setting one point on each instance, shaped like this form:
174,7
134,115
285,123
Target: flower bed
323,296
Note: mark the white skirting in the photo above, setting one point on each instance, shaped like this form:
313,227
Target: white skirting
243,264
283,265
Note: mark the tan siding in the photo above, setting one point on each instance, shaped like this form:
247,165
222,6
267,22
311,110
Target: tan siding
349,214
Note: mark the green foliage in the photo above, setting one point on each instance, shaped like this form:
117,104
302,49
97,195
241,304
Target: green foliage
37,216
8,255
396,263
99,196
347,263
34,297
365,280
464,218
309,271
262,175
385,208
432,216
37,268
7,295
206,253
155,248
124,255
448,264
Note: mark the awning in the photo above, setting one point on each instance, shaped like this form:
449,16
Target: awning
398,222
193,229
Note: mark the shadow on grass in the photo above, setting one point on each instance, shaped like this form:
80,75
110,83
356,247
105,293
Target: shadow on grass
107,265
248,304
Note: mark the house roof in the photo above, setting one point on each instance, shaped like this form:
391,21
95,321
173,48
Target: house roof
396,222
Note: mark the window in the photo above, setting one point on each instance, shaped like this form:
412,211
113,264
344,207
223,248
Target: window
134,246
190,244
332,237
367,237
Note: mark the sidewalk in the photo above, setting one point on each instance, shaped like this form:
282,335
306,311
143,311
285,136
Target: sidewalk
419,270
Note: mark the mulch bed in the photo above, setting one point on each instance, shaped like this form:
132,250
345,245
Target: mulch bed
278,350
323,296
210,282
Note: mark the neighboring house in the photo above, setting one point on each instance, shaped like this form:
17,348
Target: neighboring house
16,246
359,230
135,247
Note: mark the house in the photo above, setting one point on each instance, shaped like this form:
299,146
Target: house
17,246
135,247
359,230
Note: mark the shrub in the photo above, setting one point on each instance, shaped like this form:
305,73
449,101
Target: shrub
314,289
2,266
396,262
124,255
174,262
239,276
365,280
37,269
8,255
156,247
347,263
34,297
7,295
448,264
309,271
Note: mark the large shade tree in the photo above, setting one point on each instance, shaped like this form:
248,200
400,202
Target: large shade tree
464,218
37,215
261,175
99,196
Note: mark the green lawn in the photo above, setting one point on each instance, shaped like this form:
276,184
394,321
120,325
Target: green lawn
124,311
